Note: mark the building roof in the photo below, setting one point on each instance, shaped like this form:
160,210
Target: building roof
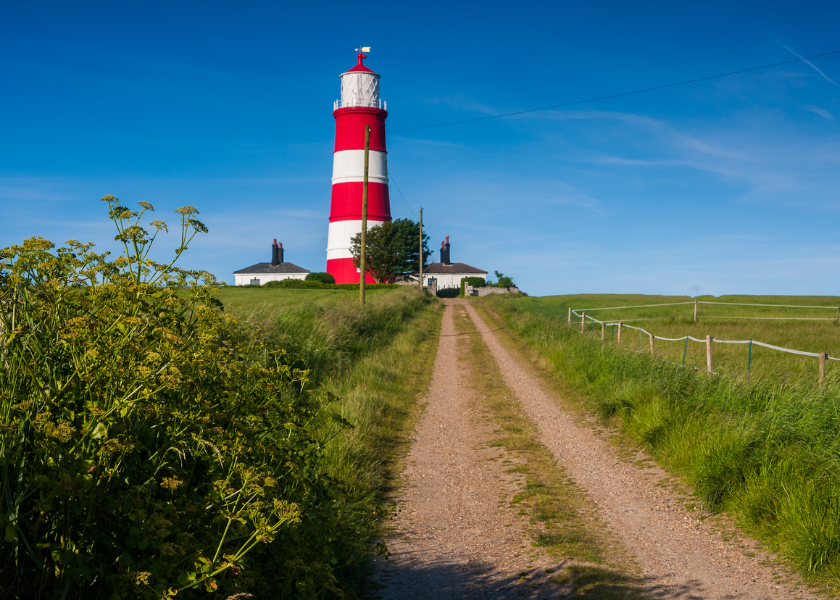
450,269
268,268
361,67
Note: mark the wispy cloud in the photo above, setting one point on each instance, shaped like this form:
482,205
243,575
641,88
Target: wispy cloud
462,102
819,111
812,65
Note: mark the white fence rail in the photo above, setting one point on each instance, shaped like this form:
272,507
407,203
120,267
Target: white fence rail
822,356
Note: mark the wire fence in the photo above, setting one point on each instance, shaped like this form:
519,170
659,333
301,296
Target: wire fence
620,324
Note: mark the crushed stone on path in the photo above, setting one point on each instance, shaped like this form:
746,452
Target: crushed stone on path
453,536
681,556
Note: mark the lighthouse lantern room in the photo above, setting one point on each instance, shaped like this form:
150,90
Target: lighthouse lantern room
360,106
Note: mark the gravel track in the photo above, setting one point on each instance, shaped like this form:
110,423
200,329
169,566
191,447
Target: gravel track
453,538
680,555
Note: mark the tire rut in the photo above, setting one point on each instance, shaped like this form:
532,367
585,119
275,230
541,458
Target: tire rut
680,555
453,537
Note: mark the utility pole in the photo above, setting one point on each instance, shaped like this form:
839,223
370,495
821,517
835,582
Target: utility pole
421,249
364,219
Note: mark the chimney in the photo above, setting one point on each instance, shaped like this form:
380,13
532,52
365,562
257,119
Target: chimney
274,261
280,253
448,257
442,253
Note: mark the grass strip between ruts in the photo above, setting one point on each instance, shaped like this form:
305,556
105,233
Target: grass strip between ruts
563,521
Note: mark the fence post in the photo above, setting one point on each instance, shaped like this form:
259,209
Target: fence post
749,359
822,365
651,343
603,331
709,354
695,310
582,322
685,349
570,316
619,333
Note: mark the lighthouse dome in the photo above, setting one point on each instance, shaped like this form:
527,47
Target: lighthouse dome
360,87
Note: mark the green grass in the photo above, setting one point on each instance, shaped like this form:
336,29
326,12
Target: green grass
721,322
250,298
376,360
765,450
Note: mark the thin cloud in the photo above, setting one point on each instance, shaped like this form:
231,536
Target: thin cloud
812,65
819,111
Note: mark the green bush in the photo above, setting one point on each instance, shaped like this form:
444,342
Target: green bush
147,447
474,281
317,285
321,277
295,283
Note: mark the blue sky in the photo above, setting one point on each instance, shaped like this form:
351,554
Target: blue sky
726,186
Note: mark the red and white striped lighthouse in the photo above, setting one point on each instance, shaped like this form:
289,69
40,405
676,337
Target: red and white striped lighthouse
359,106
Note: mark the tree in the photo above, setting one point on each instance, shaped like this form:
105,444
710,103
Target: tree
504,281
392,250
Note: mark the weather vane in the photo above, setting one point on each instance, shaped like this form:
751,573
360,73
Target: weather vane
363,49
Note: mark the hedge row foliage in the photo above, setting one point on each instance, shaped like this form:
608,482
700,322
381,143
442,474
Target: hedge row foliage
146,450
318,285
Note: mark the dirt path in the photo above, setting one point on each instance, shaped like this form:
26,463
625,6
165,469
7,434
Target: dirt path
453,537
682,557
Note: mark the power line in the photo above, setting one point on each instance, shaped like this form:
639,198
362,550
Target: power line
650,89
391,177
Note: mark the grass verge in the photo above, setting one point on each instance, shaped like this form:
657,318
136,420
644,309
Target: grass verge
767,453
564,523
377,361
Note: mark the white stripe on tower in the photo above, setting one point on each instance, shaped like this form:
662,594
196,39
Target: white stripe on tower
339,234
349,165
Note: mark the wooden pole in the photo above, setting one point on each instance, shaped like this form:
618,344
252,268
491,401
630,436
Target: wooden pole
582,321
822,365
695,310
570,316
619,333
421,249
651,343
362,266
603,331
709,354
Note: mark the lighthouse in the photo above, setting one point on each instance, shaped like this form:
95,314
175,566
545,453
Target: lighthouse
359,106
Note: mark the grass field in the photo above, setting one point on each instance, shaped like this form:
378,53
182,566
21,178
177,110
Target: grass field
786,327
764,449
249,298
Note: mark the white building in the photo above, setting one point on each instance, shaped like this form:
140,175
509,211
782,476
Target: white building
447,273
276,270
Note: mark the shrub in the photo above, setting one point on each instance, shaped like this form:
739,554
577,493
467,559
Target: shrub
146,450
294,283
321,277
474,281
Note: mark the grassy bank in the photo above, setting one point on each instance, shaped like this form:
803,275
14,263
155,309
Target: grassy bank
765,451
776,324
377,361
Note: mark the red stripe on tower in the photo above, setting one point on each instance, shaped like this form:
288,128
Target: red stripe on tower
359,106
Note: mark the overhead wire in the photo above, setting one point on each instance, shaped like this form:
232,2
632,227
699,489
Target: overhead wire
391,177
619,95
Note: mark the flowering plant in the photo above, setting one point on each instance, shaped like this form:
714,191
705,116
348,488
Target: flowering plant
145,450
